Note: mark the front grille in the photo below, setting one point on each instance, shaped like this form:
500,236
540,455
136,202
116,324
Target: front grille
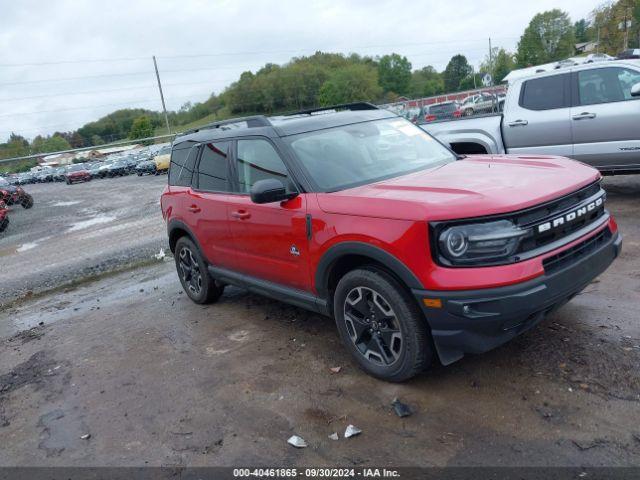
576,253
560,218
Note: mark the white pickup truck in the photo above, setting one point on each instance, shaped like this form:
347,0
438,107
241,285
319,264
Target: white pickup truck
588,112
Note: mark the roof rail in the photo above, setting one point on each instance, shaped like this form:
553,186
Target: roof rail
251,121
343,106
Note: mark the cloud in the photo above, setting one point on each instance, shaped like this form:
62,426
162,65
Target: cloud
40,93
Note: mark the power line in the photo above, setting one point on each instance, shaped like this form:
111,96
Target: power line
141,87
90,107
241,53
189,70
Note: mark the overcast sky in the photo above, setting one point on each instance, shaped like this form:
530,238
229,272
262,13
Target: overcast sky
68,62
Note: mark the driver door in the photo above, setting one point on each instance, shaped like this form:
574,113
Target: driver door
270,240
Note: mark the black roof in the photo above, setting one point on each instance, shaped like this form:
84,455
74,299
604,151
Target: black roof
290,124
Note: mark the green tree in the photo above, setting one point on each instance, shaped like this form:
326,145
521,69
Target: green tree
499,64
549,37
350,84
55,143
581,28
470,82
457,70
141,128
425,82
394,73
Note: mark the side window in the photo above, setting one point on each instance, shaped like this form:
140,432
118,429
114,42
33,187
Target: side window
606,85
212,169
258,160
183,158
545,93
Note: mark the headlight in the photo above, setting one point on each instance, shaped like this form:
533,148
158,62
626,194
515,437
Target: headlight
480,243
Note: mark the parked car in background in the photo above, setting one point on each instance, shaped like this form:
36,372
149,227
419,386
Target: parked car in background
147,167
130,161
25,178
162,160
77,173
598,57
14,195
45,175
94,170
440,111
484,102
119,168
590,112
632,53
4,216
59,174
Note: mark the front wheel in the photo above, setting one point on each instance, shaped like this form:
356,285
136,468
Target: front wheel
381,325
193,273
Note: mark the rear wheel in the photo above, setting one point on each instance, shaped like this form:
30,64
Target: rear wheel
193,273
381,325
4,223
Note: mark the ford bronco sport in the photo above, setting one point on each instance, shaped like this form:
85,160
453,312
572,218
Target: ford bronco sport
356,213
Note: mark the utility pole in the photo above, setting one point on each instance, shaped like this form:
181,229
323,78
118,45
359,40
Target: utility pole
164,108
491,61
598,42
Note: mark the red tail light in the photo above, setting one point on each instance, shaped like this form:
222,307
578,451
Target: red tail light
457,113
430,118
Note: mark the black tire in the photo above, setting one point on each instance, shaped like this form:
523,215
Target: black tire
468,112
193,273
68,181
402,329
4,224
27,201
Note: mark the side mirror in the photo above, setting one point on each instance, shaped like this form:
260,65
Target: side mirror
635,90
269,191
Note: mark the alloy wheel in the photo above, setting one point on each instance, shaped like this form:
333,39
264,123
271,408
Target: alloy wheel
190,271
373,326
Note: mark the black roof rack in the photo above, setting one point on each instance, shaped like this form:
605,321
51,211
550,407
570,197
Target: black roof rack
343,106
251,121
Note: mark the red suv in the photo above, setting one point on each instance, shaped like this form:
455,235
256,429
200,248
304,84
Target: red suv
355,213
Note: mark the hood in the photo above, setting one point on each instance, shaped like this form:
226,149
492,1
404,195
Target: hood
472,187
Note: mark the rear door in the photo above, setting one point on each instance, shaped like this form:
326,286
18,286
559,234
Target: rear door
206,206
606,118
270,240
537,119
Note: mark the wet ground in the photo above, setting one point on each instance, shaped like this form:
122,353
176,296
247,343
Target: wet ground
75,231
157,380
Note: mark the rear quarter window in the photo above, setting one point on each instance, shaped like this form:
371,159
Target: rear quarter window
545,93
183,159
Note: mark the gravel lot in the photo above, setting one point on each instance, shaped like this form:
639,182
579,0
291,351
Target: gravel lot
157,380
78,230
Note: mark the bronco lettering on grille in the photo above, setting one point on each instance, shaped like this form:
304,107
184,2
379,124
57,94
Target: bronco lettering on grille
571,216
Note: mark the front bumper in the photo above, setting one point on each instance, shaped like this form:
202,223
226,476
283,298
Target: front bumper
475,321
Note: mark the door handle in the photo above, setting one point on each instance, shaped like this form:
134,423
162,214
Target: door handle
241,214
518,123
584,115
194,208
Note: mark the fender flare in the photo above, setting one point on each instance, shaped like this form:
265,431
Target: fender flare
335,252
178,224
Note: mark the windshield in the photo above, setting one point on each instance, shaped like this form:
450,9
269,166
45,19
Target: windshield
356,154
